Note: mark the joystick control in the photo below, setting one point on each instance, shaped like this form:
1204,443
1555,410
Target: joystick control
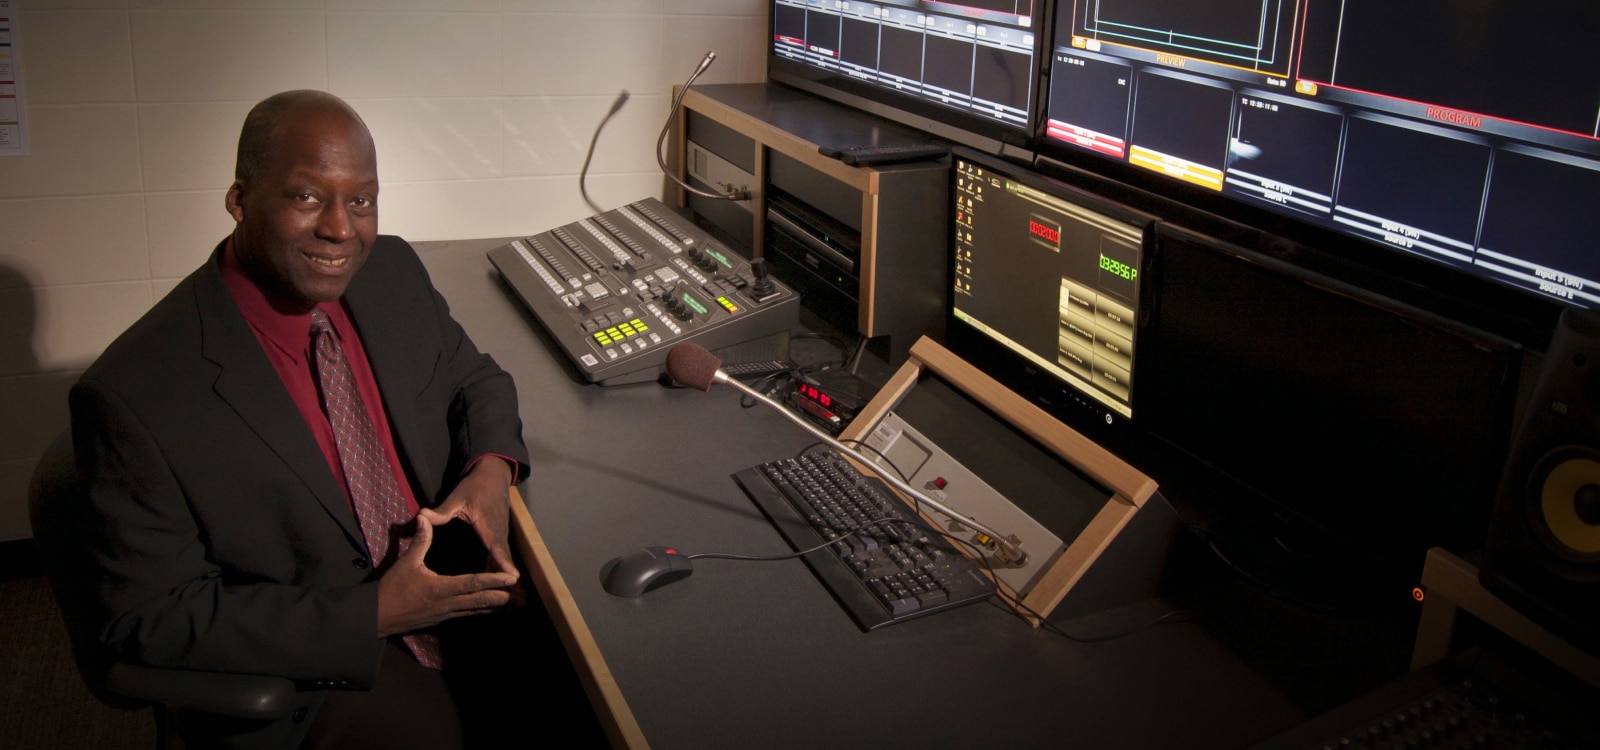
763,289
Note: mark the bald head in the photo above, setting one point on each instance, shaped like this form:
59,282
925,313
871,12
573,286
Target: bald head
305,198
272,116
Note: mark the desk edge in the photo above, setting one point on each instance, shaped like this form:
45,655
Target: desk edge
610,707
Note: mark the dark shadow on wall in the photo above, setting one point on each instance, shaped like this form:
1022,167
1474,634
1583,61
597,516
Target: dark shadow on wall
33,404
43,702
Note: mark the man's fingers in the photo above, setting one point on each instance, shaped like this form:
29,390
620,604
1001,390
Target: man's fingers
463,585
421,539
480,600
500,561
433,517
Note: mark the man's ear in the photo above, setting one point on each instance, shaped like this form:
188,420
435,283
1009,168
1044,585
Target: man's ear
234,200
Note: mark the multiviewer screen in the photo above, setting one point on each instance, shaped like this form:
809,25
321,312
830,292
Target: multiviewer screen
974,56
1462,133
1045,275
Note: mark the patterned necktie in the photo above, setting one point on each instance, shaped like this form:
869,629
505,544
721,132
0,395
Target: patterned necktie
378,503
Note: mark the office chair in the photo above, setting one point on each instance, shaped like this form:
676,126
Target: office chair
58,510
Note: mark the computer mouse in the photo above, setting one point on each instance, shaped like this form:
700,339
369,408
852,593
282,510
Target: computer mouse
644,570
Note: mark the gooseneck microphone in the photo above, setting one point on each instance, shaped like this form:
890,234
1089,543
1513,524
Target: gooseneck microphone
677,105
692,366
583,173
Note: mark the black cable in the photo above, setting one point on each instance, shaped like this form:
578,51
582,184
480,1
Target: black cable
1053,628
764,384
916,506
860,445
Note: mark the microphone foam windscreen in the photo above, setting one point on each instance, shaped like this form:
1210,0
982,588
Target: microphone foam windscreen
692,366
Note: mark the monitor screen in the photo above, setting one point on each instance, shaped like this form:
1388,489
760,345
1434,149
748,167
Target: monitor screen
1047,284
1356,419
1464,134
954,68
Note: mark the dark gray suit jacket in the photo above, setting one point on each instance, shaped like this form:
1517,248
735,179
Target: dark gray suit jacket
221,539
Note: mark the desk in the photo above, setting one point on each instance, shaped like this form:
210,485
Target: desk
743,655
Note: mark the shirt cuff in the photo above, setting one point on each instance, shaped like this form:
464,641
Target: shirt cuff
516,466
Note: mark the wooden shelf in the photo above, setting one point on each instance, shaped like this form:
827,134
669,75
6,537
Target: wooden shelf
1451,586
900,211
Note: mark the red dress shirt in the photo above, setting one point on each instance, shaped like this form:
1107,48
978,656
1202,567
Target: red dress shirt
285,336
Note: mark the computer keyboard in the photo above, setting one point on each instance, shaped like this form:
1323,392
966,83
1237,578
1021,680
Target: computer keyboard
885,572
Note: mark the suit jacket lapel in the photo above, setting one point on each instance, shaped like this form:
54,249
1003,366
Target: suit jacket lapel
388,333
247,382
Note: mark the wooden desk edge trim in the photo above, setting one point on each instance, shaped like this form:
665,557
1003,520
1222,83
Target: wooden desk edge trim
1078,557
1456,581
617,719
1106,468
1130,488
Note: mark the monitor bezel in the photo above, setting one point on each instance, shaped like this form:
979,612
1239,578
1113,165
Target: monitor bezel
949,123
1057,397
1387,547
1484,299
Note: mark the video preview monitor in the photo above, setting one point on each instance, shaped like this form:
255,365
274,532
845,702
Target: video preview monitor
1047,286
1348,433
1461,133
965,71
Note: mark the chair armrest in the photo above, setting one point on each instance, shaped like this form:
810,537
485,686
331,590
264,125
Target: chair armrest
245,696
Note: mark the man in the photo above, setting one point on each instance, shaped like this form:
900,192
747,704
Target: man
259,444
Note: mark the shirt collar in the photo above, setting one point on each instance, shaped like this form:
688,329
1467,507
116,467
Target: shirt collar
286,328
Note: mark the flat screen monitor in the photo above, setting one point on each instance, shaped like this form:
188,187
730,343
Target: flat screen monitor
1048,282
1336,431
1461,133
962,70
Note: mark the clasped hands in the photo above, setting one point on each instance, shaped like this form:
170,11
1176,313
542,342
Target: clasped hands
411,596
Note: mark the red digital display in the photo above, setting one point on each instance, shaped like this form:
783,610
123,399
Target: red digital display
1048,232
811,392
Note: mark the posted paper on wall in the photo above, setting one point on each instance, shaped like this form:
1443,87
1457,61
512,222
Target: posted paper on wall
13,131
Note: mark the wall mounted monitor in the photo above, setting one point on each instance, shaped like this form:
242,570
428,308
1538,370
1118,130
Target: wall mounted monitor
1464,134
1346,432
1047,285
961,70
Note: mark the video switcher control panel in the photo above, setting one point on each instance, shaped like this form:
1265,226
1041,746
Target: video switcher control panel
616,290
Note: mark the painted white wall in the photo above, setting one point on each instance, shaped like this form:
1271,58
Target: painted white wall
482,111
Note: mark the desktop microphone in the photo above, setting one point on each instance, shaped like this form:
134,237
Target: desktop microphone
677,105
692,366
583,174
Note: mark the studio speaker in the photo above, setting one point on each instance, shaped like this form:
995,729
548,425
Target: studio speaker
1543,551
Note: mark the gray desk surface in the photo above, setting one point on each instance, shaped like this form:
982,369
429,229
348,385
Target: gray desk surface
743,655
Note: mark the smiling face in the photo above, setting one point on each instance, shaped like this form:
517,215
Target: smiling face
307,211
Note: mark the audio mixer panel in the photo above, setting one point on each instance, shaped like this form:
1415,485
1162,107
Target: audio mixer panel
617,289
